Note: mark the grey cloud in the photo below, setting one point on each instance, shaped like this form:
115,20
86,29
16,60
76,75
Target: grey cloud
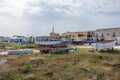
68,15
91,17
1,3
49,15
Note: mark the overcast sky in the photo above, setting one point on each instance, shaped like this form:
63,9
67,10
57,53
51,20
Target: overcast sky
37,17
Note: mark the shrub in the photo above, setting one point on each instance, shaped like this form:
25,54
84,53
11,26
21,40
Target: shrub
25,69
71,77
48,73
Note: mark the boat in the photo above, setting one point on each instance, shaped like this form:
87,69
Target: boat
104,45
118,40
48,42
21,51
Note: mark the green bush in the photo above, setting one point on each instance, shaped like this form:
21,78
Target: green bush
71,77
23,64
48,73
25,69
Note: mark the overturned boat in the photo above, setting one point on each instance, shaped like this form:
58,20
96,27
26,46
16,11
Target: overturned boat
21,51
48,42
104,45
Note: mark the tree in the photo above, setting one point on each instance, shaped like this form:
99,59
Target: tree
31,40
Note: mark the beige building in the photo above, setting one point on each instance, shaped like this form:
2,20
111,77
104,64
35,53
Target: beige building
107,34
77,36
52,34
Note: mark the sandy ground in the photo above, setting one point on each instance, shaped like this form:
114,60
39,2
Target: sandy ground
3,53
82,46
2,60
117,47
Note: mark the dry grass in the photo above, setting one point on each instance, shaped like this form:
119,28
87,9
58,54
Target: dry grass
78,65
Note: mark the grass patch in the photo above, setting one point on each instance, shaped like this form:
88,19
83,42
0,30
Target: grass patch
77,65
25,68
8,76
92,71
48,73
16,46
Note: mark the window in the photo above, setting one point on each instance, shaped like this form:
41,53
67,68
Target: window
114,35
80,35
108,34
102,35
96,34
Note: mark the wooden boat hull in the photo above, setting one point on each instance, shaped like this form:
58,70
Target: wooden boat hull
22,51
103,45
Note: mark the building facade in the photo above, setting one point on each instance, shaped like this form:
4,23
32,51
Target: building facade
4,39
1,39
52,34
19,39
79,36
75,36
107,34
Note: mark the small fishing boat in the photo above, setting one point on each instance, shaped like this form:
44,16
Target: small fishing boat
104,45
21,51
49,42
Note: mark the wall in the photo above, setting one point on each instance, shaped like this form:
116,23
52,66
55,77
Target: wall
107,34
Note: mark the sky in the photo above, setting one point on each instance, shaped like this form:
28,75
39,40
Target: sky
37,17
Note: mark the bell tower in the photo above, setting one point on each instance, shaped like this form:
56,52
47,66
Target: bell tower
53,34
52,29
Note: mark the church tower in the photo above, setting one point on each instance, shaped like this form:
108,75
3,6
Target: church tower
53,34
52,29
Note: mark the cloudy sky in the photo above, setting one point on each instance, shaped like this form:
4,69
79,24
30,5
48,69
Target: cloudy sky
37,17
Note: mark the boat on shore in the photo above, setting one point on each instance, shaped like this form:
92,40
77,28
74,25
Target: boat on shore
21,51
104,45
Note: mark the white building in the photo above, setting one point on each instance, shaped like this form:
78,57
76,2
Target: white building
1,39
108,34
